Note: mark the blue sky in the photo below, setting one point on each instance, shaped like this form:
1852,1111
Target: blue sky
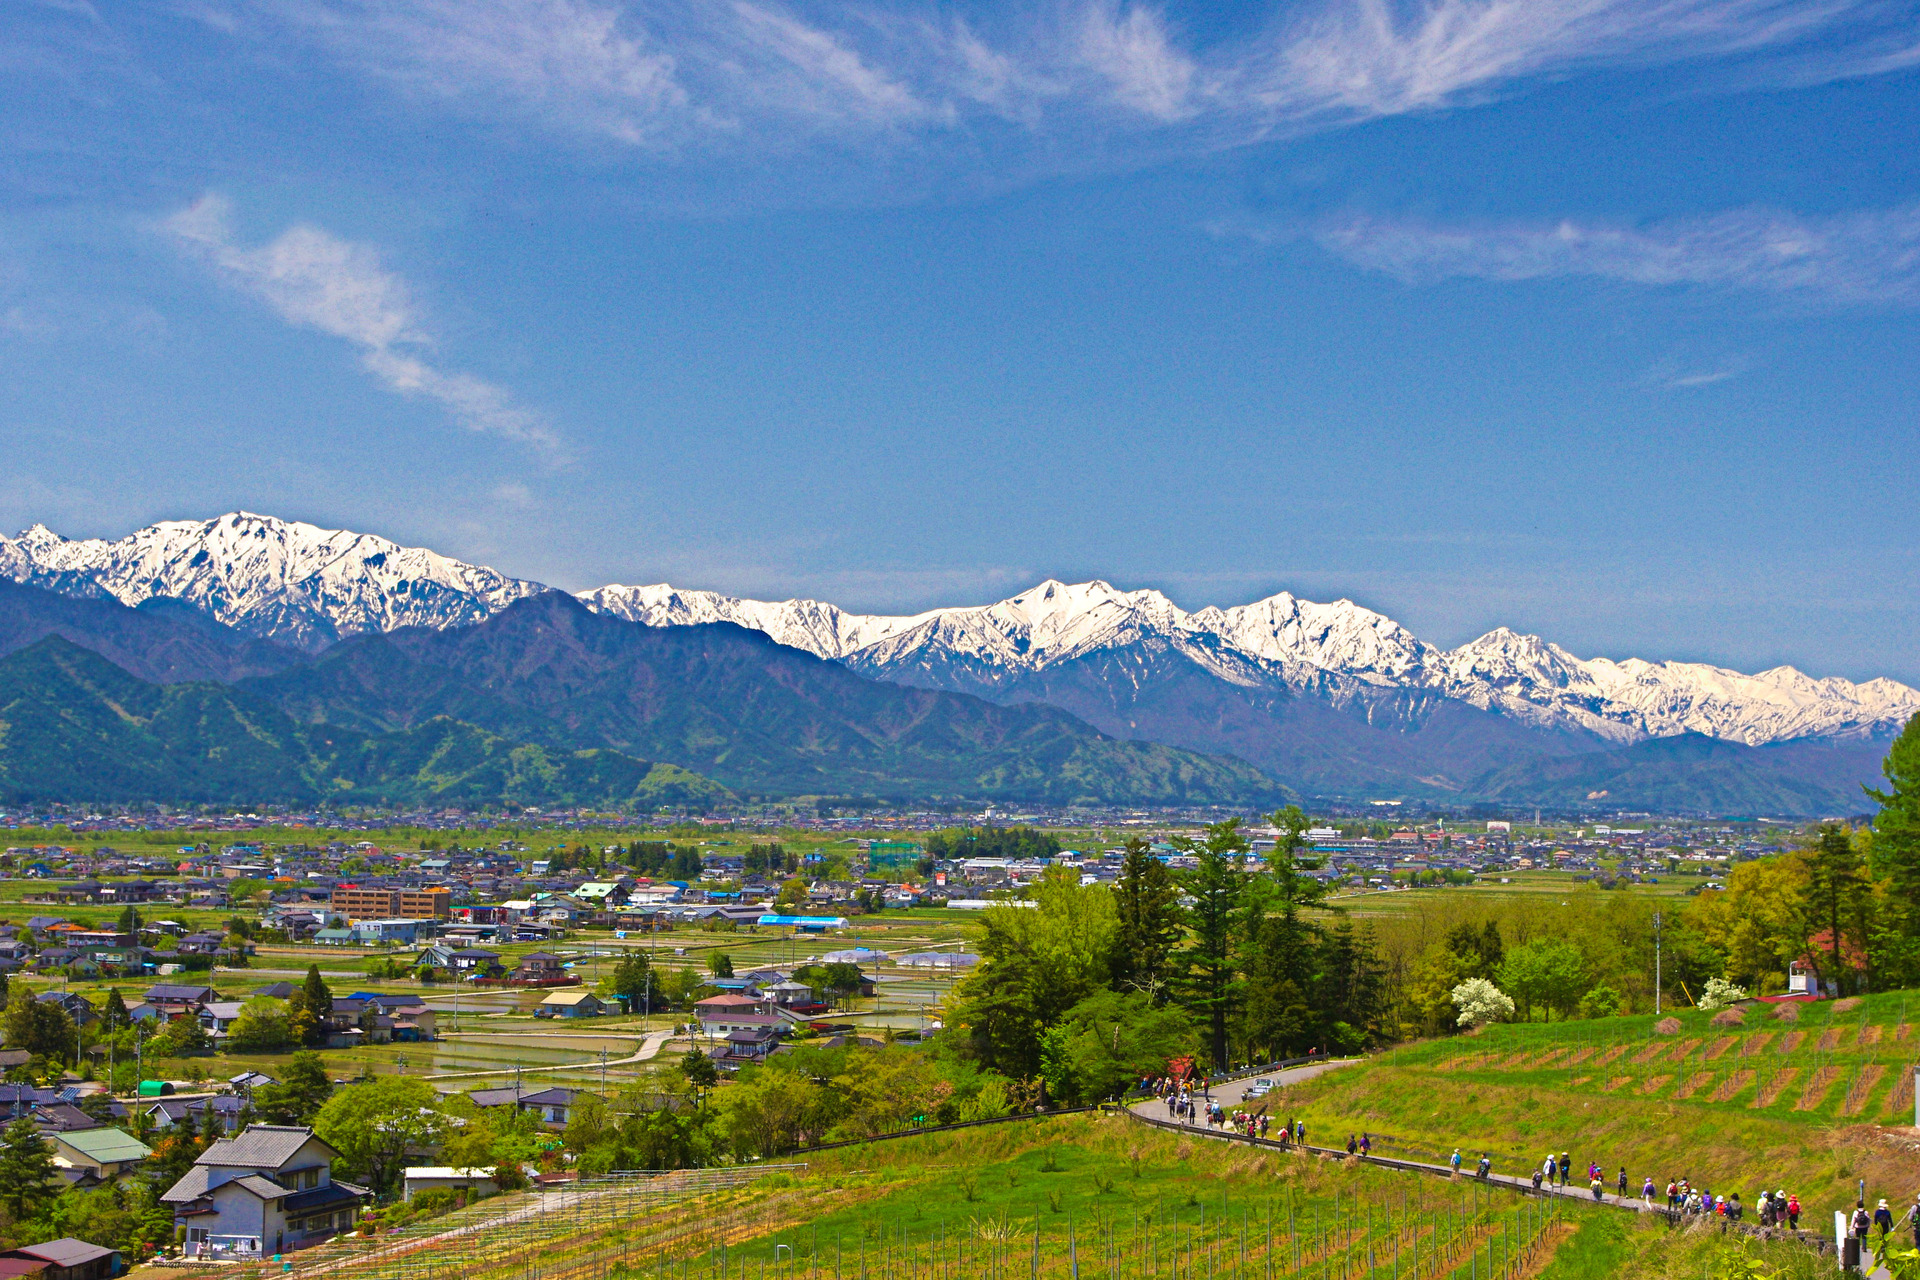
1595,318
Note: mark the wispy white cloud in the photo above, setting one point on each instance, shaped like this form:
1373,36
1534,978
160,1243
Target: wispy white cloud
1135,53
1871,257
673,73
576,64
318,281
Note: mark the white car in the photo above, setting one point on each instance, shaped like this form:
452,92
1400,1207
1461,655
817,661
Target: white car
1258,1089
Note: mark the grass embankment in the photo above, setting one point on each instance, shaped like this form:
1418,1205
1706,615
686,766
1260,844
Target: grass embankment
1072,1196
1811,1106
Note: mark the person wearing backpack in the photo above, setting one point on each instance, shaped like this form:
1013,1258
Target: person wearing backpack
1883,1219
1455,1161
1793,1212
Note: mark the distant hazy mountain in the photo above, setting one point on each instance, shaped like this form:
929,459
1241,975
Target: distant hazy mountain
1331,698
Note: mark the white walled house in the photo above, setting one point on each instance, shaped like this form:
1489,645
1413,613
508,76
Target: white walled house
266,1190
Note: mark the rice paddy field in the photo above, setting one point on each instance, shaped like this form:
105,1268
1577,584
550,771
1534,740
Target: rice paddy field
1812,1105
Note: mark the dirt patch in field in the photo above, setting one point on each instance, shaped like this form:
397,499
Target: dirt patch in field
1775,1086
1902,1092
1846,1006
1817,1086
1580,1080
1870,1036
1667,1027
1614,1083
1652,1053
1733,1084
1862,1086
1829,1040
1791,1041
1652,1083
1902,1031
1755,1043
1694,1083
1786,1013
1720,1046
1607,1058
1730,1018
1579,1057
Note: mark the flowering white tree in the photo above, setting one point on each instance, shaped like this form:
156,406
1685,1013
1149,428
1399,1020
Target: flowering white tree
1479,1001
1719,993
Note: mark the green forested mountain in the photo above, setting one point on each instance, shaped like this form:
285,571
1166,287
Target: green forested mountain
735,706
74,726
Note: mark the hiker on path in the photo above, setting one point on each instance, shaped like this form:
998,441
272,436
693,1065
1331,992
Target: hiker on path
1861,1224
1552,1166
1623,1182
1913,1220
1366,1145
1455,1161
1599,1189
1793,1212
1883,1219
1536,1179
1486,1165
1646,1192
1566,1166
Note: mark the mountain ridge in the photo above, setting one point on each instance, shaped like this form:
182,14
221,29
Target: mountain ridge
1332,698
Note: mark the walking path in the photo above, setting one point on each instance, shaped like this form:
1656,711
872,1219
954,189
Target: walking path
1232,1093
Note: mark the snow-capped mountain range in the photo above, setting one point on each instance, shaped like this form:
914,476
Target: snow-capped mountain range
308,586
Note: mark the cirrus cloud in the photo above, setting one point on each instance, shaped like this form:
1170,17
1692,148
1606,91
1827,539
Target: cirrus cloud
317,280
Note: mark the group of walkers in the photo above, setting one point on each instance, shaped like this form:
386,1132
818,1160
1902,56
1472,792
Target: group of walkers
1862,1223
1773,1209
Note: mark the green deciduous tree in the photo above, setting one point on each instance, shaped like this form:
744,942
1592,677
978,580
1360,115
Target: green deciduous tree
42,1028
1035,964
262,1027
296,1098
1549,972
373,1125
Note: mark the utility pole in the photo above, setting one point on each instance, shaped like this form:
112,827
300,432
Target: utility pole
1656,964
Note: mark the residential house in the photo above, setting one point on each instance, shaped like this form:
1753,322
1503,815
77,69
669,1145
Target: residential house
176,999
62,1259
219,1016
266,1190
748,1044
19,1100
460,960
397,930
553,1106
225,1108
571,1004
541,966
77,1006
101,1151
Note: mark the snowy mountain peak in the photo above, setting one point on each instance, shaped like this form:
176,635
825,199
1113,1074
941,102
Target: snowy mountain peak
283,579
303,584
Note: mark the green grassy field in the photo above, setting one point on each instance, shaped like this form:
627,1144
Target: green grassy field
1811,1106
